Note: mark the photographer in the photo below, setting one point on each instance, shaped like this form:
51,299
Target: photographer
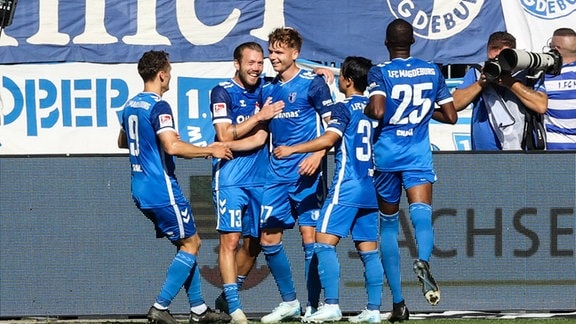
560,119
499,105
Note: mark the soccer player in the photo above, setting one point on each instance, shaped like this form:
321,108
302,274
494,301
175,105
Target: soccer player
148,131
351,204
402,95
295,187
237,183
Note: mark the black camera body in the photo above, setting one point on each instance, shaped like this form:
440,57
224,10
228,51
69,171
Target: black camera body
510,60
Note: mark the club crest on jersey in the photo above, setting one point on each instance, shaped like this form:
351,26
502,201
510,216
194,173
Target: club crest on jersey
292,97
438,19
165,120
219,109
548,9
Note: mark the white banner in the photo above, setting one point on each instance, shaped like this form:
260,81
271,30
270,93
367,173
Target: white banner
532,22
76,108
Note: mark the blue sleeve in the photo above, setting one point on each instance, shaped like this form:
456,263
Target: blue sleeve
469,79
220,104
339,118
320,96
375,80
161,116
443,93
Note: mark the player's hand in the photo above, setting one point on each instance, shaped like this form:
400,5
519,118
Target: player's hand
283,151
326,73
220,150
310,165
270,110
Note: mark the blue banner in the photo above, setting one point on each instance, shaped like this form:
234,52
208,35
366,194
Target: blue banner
447,31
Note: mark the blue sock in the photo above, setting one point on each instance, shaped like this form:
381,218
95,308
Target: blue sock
240,281
329,271
279,266
311,274
177,274
391,254
421,215
231,293
193,287
374,277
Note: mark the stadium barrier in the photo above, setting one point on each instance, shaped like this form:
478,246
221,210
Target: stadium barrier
73,244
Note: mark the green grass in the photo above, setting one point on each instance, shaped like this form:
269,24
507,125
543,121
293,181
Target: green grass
479,321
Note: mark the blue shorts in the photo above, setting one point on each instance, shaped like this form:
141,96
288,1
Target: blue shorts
175,222
238,210
389,184
283,203
340,220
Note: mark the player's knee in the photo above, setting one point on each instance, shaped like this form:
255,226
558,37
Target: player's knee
272,249
190,244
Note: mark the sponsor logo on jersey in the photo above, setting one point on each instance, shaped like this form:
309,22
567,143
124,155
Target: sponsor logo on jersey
327,102
438,19
166,120
219,109
292,97
242,103
288,114
549,9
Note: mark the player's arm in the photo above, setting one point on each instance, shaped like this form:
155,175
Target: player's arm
122,139
172,145
377,104
319,94
322,143
230,132
376,107
446,113
250,142
326,73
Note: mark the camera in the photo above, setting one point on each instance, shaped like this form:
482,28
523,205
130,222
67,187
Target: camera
510,60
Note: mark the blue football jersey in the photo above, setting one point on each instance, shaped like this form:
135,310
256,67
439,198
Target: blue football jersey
153,181
307,99
352,183
411,87
230,103
560,118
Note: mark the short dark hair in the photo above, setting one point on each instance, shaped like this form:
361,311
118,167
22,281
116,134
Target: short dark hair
356,69
501,39
151,63
400,33
564,32
286,36
248,45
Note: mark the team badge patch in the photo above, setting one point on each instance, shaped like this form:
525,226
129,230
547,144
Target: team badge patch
219,109
165,120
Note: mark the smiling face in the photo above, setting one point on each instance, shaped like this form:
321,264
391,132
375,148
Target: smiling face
282,57
249,68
